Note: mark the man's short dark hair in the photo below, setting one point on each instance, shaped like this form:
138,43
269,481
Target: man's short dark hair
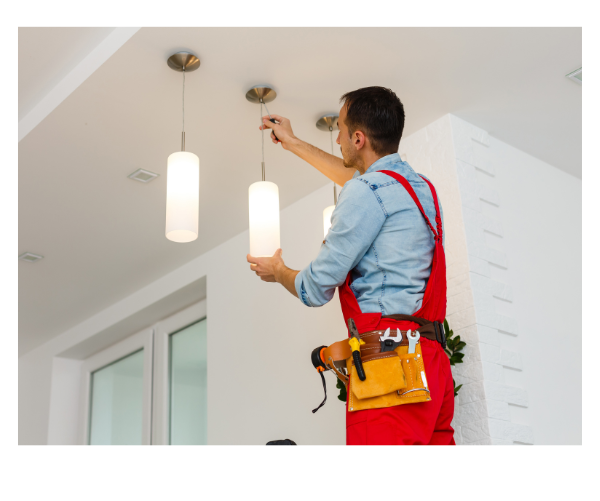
378,113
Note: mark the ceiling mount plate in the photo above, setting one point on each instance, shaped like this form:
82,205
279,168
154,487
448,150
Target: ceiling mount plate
183,61
258,92
328,122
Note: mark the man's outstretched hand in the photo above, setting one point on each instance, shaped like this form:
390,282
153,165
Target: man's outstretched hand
273,269
283,130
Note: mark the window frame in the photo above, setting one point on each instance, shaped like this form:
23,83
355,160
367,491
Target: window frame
162,331
141,340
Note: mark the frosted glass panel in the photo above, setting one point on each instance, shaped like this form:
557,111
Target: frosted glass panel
187,350
116,402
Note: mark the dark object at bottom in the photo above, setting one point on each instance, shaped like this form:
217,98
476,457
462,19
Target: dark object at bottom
287,441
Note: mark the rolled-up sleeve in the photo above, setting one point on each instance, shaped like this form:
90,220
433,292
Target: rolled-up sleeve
355,223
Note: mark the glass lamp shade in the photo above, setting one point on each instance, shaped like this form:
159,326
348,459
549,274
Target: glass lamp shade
264,218
183,192
327,219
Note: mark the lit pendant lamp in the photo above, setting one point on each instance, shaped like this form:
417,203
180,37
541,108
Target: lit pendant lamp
263,196
183,172
329,123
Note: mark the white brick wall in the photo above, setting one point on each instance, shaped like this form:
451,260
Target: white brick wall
455,156
487,324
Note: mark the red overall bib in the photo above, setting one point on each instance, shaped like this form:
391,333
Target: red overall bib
419,423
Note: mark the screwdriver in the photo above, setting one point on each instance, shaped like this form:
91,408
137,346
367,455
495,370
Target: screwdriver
270,119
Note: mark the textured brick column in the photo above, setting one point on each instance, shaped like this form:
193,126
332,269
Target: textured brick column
493,388
455,156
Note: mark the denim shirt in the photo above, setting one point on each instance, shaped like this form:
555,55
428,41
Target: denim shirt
378,234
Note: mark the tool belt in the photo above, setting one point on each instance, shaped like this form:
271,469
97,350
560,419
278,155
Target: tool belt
386,374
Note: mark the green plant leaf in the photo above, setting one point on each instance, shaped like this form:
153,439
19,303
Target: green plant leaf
456,358
453,346
342,387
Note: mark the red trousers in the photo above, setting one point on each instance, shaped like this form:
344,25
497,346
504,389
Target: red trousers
425,423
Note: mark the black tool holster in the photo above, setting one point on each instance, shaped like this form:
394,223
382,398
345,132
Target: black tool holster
440,335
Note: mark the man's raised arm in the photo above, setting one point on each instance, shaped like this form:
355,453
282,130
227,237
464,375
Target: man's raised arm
326,163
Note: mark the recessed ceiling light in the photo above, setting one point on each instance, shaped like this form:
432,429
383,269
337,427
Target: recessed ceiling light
30,257
144,176
575,75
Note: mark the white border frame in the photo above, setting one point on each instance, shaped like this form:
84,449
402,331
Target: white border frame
162,331
141,340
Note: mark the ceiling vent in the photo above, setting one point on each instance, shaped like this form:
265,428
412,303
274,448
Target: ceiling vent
575,75
30,257
143,176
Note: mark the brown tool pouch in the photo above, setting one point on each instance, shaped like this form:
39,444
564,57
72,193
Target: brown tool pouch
393,377
384,375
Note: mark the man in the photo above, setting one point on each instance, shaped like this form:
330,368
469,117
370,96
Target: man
383,252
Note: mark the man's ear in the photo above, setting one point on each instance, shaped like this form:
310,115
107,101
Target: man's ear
359,139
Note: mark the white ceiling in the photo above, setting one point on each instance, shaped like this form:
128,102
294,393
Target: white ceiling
46,55
102,234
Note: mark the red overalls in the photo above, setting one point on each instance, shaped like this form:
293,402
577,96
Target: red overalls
421,423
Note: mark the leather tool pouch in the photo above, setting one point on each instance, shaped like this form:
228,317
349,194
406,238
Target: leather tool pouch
393,378
384,375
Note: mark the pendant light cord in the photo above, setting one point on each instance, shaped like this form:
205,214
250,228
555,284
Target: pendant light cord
262,137
331,135
183,113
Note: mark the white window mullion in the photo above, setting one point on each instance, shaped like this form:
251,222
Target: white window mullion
161,392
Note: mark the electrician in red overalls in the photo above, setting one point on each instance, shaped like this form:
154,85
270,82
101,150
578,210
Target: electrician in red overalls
385,254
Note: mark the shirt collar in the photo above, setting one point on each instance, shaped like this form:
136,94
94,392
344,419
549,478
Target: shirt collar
381,164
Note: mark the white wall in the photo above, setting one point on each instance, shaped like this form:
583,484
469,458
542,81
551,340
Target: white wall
541,216
35,377
522,220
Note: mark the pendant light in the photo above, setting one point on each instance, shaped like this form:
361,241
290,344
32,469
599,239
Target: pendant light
183,171
329,123
263,196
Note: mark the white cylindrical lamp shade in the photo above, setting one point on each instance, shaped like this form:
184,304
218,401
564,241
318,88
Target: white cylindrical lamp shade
263,198
183,193
327,219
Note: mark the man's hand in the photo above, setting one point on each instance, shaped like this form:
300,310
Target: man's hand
265,267
283,130
273,269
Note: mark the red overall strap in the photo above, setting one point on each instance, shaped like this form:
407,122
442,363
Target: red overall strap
413,195
438,218
433,306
